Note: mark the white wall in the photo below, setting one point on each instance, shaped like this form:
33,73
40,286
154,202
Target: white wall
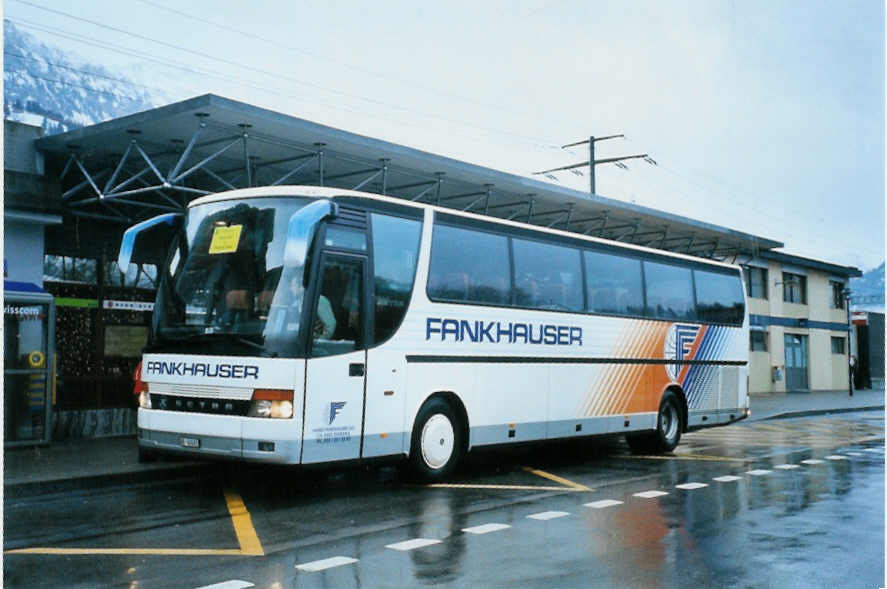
23,250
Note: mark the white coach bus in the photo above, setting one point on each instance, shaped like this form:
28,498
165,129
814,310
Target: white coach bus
304,325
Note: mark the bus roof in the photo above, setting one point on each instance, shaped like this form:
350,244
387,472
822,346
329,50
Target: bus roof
325,192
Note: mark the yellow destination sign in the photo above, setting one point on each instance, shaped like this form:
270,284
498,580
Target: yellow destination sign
225,239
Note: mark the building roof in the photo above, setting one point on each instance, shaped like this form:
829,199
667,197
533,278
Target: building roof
782,257
133,167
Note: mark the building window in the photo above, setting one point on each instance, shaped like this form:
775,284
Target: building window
758,341
794,288
756,282
837,294
67,269
137,275
838,345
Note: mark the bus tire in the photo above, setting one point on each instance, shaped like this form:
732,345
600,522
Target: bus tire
147,456
669,426
437,442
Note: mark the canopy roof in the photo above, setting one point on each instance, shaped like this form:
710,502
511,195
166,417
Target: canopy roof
136,166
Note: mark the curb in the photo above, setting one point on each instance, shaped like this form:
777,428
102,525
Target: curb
190,470
35,488
810,412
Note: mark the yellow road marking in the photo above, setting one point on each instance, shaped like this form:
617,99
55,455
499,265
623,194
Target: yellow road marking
243,525
557,479
243,528
501,487
149,551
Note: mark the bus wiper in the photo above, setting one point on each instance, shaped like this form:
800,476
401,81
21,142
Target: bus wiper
231,336
253,344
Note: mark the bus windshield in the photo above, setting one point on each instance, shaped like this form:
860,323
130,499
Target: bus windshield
226,289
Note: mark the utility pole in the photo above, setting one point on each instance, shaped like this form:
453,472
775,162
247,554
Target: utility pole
851,367
592,162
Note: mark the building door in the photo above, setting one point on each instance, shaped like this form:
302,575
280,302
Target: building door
28,351
795,362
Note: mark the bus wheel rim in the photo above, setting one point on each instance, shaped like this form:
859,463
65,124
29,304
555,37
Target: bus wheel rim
437,441
668,421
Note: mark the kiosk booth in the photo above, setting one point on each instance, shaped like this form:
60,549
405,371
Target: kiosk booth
29,362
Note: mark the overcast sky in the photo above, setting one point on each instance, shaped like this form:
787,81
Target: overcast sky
764,116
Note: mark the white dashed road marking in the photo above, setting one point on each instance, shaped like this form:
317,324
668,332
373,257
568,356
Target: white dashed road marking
786,466
758,472
326,563
727,479
603,503
836,457
545,515
650,494
855,454
413,544
878,450
812,461
486,528
234,584
691,486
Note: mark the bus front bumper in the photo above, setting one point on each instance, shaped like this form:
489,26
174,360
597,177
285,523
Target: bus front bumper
237,438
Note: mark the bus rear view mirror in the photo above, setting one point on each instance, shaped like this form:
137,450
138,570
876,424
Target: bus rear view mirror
149,240
301,229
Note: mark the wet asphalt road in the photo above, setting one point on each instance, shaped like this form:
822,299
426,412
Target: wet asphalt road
565,515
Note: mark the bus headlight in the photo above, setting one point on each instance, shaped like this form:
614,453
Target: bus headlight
281,409
144,400
273,403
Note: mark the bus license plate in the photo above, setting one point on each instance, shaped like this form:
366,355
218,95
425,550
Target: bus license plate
191,442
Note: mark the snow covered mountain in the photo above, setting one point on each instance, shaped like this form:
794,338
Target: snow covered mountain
868,289
52,89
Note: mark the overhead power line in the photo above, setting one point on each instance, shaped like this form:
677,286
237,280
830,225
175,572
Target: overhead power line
592,162
275,75
412,83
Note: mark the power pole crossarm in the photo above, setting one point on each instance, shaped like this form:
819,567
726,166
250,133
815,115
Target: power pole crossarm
592,161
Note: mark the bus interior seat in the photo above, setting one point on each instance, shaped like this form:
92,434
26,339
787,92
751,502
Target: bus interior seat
527,291
603,299
501,291
454,286
237,300
263,301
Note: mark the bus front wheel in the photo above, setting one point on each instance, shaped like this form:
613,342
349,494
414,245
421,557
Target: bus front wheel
437,442
667,434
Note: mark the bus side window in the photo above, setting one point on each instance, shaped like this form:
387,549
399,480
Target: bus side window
548,276
482,258
395,253
614,284
669,291
719,297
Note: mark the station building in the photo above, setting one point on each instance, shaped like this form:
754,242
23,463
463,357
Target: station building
799,321
76,323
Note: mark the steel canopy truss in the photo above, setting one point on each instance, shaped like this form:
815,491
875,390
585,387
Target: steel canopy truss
135,167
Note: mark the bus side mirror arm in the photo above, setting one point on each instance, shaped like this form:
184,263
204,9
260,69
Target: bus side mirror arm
301,229
127,245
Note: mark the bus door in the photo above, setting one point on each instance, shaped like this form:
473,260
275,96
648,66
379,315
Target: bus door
336,365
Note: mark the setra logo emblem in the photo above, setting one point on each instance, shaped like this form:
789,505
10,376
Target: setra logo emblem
678,343
335,407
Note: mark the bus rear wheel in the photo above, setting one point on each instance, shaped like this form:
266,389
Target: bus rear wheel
437,442
669,426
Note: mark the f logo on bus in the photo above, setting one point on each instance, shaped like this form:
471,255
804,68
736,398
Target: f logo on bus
678,345
335,407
